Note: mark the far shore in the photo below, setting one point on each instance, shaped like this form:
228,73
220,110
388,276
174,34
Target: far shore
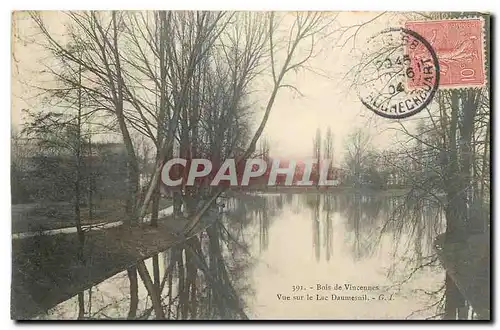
325,190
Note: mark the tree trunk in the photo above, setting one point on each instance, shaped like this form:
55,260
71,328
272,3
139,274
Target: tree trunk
90,182
155,205
78,179
453,299
81,306
152,290
134,293
456,208
156,271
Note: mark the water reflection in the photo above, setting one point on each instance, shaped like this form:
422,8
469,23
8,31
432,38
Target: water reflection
264,244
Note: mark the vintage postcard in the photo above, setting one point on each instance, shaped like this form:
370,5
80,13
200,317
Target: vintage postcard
218,165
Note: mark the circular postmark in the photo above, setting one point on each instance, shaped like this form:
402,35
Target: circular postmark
398,75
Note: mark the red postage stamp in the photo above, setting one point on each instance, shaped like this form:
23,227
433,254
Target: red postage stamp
458,44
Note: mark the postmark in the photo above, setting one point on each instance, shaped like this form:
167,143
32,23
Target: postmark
459,45
391,80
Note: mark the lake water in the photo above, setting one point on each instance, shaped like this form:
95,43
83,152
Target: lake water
293,256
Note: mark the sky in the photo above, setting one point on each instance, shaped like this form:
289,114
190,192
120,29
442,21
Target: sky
328,99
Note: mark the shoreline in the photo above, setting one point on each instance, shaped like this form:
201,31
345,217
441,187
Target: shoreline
332,190
37,286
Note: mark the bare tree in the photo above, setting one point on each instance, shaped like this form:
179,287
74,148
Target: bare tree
328,145
305,27
357,152
158,74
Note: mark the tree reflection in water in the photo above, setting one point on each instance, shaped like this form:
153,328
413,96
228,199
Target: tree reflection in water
207,277
202,278
413,225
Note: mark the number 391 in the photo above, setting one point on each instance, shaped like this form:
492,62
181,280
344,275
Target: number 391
296,288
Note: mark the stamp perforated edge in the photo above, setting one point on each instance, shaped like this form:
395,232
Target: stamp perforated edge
483,48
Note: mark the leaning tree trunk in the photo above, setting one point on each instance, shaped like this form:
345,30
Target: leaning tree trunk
152,290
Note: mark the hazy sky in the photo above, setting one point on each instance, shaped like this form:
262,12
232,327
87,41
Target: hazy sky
329,101
326,102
